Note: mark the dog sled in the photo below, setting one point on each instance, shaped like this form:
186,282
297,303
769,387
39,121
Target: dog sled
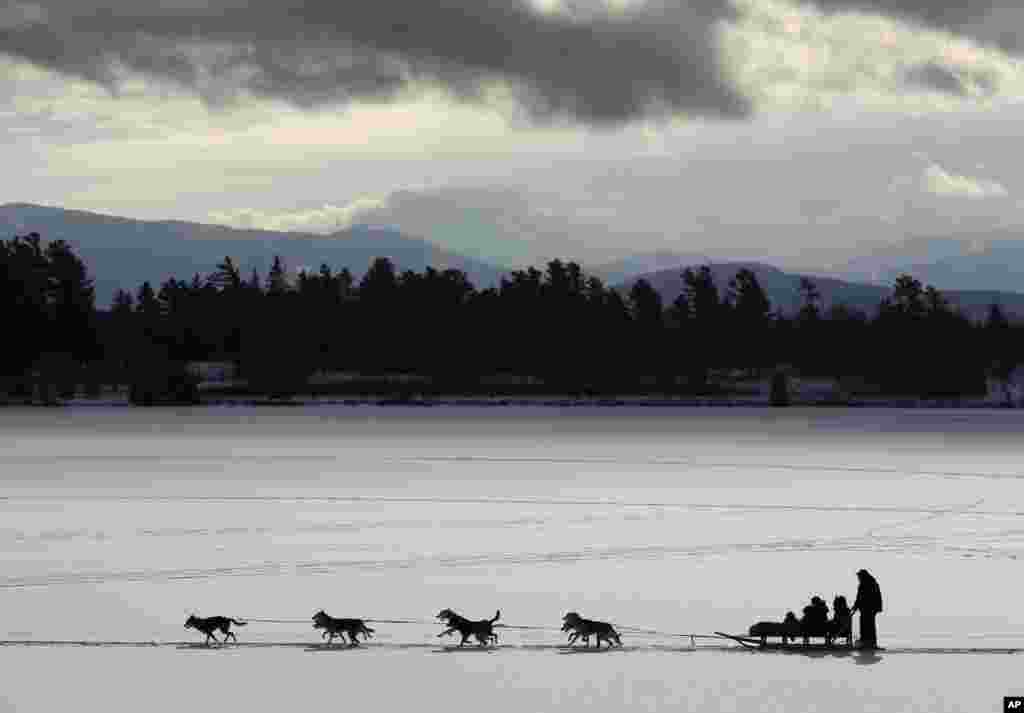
793,644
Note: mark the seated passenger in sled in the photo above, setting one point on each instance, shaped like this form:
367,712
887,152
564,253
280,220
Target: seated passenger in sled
788,629
842,621
815,621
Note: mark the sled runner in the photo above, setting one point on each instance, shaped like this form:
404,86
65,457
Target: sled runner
757,644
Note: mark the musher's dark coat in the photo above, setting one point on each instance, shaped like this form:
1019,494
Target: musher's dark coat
869,596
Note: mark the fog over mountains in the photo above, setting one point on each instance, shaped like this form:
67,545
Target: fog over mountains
122,253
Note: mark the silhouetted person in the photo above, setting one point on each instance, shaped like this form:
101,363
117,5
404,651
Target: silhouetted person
842,622
815,621
817,613
869,603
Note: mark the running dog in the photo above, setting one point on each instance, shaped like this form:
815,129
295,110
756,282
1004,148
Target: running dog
579,626
788,628
212,624
842,621
339,627
483,630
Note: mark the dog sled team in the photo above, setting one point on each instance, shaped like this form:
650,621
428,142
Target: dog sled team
815,623
482,630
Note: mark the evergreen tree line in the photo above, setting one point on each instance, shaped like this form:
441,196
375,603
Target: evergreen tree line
561,328
48,307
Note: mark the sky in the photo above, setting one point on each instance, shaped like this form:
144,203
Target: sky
520,130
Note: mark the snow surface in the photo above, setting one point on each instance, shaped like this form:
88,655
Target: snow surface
115,524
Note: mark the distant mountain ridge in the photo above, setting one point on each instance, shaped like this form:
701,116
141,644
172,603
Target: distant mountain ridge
123,252
782,289
642,263
990,261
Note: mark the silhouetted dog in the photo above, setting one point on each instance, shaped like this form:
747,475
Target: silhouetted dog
579,626
483,630
339,627
842,621
212,624
788,628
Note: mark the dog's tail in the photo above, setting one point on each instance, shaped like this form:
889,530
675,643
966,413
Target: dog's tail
239,623
497,615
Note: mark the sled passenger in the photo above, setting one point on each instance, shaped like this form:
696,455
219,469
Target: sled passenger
816,615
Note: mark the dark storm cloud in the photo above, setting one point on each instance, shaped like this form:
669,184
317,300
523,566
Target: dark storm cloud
999,22
948,13
956,82
936,77
596,67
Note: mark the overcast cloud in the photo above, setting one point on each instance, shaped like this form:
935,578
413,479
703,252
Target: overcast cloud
521,129
994,21
591,63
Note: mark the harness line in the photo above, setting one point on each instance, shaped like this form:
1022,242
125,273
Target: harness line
634,630
517,627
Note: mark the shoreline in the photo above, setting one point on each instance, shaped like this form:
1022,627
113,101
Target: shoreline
539,401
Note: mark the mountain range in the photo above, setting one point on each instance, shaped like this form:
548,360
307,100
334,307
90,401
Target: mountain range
783,290
995,262
122,253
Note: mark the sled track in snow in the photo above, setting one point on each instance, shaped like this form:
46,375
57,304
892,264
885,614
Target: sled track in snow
536,502
554,648
208,458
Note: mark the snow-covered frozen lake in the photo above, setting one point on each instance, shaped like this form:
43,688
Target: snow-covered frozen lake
116,523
